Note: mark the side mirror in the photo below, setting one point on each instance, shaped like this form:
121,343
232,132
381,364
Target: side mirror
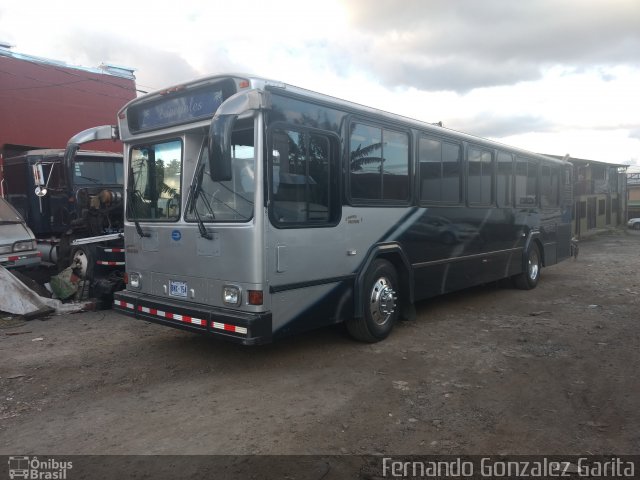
219,147
39,179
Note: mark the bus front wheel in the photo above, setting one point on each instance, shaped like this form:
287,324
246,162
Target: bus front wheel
531,275
380,307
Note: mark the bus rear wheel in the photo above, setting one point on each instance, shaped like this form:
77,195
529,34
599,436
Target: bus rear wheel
379,304
528,279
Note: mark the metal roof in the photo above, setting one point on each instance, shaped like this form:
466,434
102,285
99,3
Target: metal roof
104,68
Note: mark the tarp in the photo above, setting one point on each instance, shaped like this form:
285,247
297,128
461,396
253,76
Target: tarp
17,298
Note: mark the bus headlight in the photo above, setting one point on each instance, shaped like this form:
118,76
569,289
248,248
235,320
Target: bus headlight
231,295
134,280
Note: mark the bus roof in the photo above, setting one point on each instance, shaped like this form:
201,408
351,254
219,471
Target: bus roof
263,83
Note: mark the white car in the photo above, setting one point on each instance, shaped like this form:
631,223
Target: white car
17,243
634,223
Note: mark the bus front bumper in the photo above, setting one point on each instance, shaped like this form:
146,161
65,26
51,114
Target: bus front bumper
239,327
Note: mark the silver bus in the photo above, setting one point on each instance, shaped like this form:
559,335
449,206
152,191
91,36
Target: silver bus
256,209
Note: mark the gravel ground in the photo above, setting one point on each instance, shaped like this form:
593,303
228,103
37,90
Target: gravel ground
490,370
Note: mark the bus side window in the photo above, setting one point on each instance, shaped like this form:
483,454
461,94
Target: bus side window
300,183
526,182
366,162
440,171
504,180
480,178
379,164
395,172
550,179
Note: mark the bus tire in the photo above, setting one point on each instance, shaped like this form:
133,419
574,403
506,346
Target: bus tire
380,304
528,279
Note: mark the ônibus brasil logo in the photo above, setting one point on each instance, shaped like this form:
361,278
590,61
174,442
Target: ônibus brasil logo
35,469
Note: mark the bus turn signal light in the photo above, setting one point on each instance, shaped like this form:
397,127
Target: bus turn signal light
255,297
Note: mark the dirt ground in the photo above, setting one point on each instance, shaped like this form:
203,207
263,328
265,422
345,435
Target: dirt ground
490,370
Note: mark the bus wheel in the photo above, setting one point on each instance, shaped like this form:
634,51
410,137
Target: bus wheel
529,278
380,304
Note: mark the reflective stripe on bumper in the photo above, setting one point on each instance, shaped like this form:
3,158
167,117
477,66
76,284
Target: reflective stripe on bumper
242,327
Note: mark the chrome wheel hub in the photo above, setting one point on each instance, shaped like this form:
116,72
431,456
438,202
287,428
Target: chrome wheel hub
534,266
382,301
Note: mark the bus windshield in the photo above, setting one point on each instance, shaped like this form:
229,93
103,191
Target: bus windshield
230,200
155,172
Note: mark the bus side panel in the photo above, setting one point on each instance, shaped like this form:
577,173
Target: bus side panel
448,277
453,248
312,271
308,308
550,254
426,281
434,280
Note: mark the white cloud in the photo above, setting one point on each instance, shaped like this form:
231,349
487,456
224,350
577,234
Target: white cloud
533,74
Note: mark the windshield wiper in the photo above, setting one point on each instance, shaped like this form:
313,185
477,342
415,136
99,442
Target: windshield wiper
133,215
94,180
192,197
237,194
201,227
219,200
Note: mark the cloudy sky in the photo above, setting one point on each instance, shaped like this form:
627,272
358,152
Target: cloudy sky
552,76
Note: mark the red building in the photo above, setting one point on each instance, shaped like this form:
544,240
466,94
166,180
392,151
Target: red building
43,102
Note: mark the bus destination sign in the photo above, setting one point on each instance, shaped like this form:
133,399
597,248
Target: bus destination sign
180,109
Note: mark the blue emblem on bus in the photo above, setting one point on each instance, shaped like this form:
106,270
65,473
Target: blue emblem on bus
176,235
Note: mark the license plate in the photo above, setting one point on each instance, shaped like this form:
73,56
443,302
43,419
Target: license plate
177,289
